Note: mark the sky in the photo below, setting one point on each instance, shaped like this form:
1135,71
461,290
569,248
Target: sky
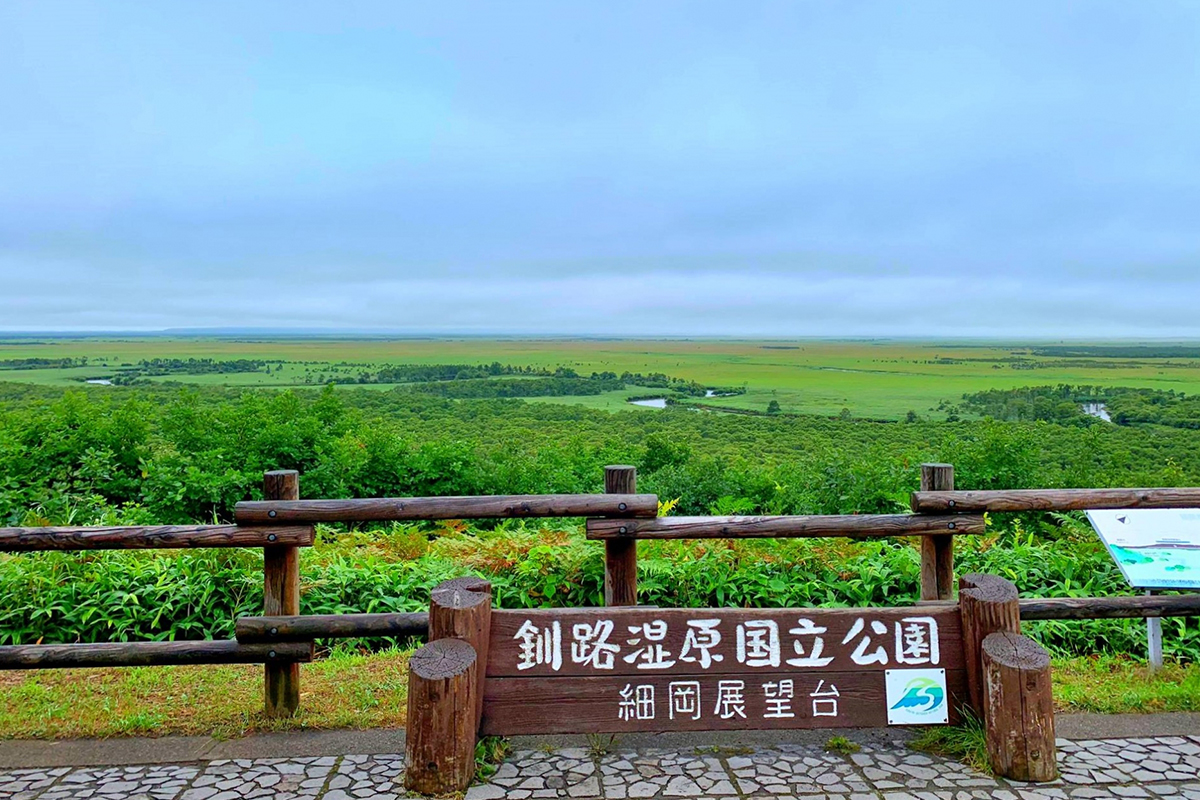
995,169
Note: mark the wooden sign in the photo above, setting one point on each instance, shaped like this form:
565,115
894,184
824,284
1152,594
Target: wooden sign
613,669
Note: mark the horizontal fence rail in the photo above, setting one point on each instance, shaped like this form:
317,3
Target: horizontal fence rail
399,509
147,654
855,526
962,502
152,537
331,626
1186,605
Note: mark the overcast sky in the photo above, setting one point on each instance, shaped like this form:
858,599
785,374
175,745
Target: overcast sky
641,168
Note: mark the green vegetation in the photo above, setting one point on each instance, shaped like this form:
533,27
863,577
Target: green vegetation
441,418
490,752
1069,405
872,379
841,745
347,688
112,596
966,741
344,689
165,455
1116,684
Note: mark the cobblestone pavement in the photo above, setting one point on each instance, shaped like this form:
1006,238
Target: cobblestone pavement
1164,767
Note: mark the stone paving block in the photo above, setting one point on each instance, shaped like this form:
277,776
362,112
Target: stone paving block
537,774
380,777
902,771
25,784
1167,767
797,770
276,778
159,782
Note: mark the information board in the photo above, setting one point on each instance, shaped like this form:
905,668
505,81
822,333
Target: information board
632,669
1156,548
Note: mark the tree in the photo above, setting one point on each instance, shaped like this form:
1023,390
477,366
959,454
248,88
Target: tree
773,407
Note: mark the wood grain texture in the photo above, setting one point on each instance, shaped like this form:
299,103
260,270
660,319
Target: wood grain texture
1019,708
937,552
384,509
558,631
514,706
620,556
855,526
281,597
461,608
145,537
1185,605
145,654
297,628
440,727
987,604
1051,500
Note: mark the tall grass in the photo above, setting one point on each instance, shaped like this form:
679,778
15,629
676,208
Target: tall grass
115,596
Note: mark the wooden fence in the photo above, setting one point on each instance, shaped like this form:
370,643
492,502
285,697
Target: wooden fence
498,671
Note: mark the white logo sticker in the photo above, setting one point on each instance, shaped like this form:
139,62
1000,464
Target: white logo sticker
917,697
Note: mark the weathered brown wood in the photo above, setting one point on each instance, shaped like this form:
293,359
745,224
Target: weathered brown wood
331,626
937,552
281,597
145,654
855,526
1184,605
462,609
988,604
384,509
598,641
514,706
143,537
620,557
1019,708
440,729
1051,500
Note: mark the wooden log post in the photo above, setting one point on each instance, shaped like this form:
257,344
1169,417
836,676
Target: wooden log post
988,604
620,555
937,552
281,597
1019,708
440,729
462,609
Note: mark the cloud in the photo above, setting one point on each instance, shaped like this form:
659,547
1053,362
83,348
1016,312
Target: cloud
751,169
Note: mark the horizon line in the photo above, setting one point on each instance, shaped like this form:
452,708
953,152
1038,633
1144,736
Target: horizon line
218,332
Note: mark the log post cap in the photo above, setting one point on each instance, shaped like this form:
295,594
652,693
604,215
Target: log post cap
461,593
935,465
280,472
441,659
1015,651
987,588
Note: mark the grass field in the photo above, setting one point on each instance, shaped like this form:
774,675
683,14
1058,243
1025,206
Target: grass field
880,379
349,690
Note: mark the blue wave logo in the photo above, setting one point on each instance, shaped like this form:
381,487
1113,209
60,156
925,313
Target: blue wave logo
921,696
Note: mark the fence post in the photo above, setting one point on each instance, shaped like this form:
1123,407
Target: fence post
937,551
445,688
281,596
462,609
620,555
987,604
1019,708
440,729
